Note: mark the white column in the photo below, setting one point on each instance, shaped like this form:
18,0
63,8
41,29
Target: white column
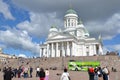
52,50
48,55
57,55
94,49
68,49
89,50
84,50
65,48
100,50
44,50
71,47
73,51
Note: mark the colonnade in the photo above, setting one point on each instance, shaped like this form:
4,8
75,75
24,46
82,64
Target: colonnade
57,49
68,48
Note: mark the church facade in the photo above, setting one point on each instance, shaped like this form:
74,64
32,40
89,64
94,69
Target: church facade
74,40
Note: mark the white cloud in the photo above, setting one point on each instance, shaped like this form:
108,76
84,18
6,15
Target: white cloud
22,55
4,9
39,24
18,40
109,29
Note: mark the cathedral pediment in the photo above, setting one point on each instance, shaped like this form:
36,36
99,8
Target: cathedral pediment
60,36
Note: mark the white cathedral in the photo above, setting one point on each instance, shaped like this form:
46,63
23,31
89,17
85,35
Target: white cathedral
74,40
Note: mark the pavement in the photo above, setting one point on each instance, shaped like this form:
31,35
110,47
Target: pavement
74,75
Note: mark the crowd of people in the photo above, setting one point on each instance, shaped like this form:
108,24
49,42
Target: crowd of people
25,72
14,72
98,73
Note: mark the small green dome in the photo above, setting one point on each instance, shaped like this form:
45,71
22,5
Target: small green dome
53,29
53,26
71,11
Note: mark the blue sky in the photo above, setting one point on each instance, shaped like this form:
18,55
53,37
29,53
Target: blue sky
24,24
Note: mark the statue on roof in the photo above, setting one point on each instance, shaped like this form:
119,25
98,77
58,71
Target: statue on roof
80,22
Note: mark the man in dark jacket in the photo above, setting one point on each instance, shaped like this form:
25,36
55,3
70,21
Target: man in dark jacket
8,74
42,74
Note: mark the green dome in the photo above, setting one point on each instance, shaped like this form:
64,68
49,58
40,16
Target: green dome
53,26
71,11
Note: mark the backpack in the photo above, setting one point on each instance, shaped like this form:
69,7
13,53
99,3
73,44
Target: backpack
91,70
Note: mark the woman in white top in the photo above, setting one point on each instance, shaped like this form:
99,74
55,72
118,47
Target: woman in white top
65,75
